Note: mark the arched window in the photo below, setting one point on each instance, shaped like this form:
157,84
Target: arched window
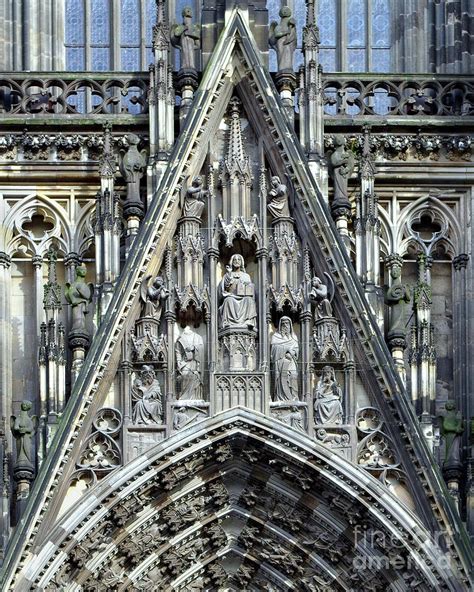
355,35
109,34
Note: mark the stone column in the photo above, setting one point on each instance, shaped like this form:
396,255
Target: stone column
5,338
462,349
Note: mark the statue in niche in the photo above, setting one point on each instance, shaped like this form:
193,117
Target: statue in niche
322,296
189,351
327,399
396,297
79,295
146,398
237,294
283,39
153,297
278,199
132,167
186,37
23,429
194,199
342,165
452,426
284,356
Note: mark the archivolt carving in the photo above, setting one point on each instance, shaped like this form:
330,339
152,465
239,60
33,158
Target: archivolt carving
294,528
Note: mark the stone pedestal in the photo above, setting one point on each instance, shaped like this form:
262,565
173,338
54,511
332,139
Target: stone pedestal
238,349
79,342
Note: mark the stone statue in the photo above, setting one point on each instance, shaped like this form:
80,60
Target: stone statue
194,199
283,39
189,351
79,295
153,297
278,199
23,429
342,165
237,294
284,356
396,297
319,294
291,416
327,399
146,397
452,426
187,38
132,167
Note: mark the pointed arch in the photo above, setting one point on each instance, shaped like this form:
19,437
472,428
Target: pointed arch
242,485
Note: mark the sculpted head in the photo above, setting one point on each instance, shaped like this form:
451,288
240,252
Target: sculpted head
133,140
237,262
339,140
328,373
450,406
26,405
285,12
158,282
147,374
275,181
285,326
81,272
197,181
187,12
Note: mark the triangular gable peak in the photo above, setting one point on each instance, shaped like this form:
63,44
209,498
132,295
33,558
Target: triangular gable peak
346,322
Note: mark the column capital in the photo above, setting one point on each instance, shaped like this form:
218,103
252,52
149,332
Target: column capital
37,260
72,259
461,261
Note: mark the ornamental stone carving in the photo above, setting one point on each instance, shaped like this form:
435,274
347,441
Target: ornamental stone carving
283,39
284,356
132,168
237,294
194,199
396,297
79,295
189,350
342,165
277,200
186,37
153,297
23,429
322,297
147,398
452,427
327,399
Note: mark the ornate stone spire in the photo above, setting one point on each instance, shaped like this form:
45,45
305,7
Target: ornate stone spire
236,161
52,290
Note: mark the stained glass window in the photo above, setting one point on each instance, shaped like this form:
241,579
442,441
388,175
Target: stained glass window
355,35
109,34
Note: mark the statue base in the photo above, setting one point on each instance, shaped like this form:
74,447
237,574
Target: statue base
187,78
396,340
79,339
329,341
237,349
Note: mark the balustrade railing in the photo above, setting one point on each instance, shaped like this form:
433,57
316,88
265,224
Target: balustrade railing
77,93
119,93
388,95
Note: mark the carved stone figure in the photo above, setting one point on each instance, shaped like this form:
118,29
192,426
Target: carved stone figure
283,39
396,297
189,351
23,429
452,426
342,165
327,399
321,295
79,295
132,167
153,297
237,294
187,38
284,356
194,199
147,398
293,416
278,199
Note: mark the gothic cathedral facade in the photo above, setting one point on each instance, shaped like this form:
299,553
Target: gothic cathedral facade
236,295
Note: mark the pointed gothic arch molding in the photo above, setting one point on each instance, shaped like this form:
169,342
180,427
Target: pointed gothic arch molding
237,483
